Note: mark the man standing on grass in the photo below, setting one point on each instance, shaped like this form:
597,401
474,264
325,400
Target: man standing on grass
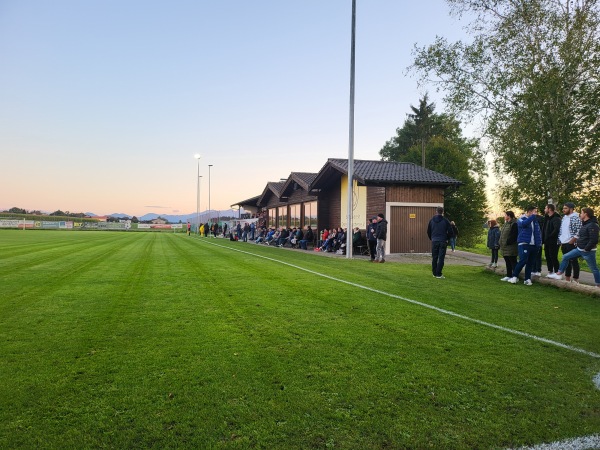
371,239
529,242
552,225
381,235
587,242
567,236
439,231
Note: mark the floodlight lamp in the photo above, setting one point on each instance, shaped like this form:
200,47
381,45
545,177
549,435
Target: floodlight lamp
197,156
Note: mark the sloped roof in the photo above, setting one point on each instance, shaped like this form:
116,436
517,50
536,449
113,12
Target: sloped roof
250,202
303,179
272,187
383,172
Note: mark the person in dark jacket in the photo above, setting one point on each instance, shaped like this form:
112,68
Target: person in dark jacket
550,237
381,235
371,238
493,242
439,231
587,243
454,235
529,240
508,243
308,237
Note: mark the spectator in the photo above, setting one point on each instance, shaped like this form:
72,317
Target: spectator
528,242
552,226
508,243
307,238
493,242
381,235
454,236
569,228
587,242
371,238
439,231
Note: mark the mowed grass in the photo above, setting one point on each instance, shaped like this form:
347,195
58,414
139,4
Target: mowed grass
158,340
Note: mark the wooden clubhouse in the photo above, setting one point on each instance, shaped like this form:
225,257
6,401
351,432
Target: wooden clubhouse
406,193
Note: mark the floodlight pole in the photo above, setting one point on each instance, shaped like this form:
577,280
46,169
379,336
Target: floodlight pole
349,248
209,218
197,156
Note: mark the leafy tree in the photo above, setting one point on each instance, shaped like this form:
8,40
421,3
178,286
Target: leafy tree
531,75
58,212
134,219
15,210
448,152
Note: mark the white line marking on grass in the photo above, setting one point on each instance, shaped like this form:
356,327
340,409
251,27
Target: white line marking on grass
424,305
582,443
597,380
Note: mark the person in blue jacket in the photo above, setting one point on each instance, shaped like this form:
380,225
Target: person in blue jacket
529,240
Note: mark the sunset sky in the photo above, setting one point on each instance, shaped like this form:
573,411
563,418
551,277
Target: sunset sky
103,104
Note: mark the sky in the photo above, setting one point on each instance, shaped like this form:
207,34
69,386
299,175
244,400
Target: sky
104,103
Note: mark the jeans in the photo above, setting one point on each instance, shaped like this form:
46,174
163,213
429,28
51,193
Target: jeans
537,265
573,263
527,255
303,244
438,255
589,257
452,243
380,249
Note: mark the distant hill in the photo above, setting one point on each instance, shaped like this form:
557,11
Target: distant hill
183,218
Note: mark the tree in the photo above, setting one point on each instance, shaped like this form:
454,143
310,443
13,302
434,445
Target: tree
531,75
448,152
15,210
58,212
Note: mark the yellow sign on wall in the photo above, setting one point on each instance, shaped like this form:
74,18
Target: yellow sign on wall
359,207
412,216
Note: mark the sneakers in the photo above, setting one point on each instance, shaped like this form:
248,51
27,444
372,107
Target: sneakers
505,279
554,276
527,283
440,277
549,273
536,274
513,280
493,266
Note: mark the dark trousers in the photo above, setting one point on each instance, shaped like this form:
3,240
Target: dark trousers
511,263
438,254
537,265
372,248
551,251
573,266
494,256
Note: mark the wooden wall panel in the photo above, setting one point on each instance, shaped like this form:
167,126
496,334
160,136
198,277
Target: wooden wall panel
408,229
415,194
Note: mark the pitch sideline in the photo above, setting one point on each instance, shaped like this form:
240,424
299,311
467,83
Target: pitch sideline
424,305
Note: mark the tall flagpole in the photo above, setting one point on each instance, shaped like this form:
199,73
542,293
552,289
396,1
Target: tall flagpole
349,248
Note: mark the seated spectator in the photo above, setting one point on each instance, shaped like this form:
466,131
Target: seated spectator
272,236
284,234
307,238
329,244
262,234
297,237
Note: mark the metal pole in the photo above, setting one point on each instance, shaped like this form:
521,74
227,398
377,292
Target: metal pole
349,248
209,211
198,198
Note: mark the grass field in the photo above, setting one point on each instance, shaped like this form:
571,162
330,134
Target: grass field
159,340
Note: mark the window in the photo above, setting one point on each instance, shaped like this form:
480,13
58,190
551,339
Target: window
272,219
282,216
295,215
310,215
